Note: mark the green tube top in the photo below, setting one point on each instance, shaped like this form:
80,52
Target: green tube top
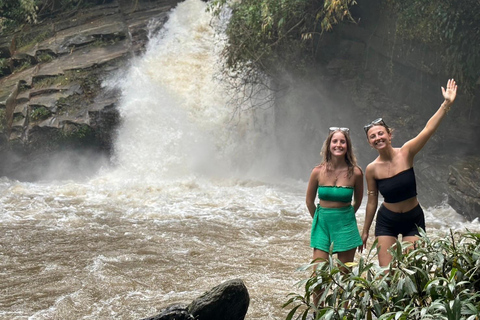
334,193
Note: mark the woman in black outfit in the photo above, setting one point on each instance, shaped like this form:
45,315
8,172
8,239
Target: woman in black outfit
392,174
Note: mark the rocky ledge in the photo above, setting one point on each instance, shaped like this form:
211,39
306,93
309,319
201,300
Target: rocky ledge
51,98
464,187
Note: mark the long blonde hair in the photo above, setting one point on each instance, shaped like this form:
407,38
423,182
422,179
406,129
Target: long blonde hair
326,154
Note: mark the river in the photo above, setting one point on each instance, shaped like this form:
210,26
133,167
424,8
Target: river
193,198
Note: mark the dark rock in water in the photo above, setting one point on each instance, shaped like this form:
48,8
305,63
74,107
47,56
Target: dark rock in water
464,187
228,300
173,312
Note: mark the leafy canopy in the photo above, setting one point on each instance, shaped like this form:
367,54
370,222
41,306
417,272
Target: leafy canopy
15,13
271,34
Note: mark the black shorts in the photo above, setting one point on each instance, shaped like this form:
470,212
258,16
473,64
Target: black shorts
391,223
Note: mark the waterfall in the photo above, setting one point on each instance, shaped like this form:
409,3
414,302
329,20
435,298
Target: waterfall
176,116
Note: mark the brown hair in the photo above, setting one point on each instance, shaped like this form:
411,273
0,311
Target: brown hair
326,154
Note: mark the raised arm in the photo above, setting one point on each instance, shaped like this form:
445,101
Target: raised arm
416,144
372,202
312,191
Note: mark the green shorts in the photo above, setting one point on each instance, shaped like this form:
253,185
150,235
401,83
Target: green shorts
337,226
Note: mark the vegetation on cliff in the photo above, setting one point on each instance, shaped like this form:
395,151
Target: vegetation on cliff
14,13
271,35
451,27
268,35
438,279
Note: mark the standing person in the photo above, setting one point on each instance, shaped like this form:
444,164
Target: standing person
336,180
392,174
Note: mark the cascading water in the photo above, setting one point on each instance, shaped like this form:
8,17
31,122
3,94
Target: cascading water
176,120
188,205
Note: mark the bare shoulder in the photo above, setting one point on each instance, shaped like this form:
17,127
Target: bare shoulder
405,155
316,171
357,171
319,168
371,168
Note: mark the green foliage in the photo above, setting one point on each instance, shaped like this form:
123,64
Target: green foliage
15,12
3,63
82,132
28,39
4,67
438,279
23,66
83,77
44,57
60,80
77,135
18,117
452,27
3,120
270,34
40,113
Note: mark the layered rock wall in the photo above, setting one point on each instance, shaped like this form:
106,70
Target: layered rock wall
51,98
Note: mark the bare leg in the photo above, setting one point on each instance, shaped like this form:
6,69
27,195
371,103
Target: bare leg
347,256
384,243
318,256
411,239
344,257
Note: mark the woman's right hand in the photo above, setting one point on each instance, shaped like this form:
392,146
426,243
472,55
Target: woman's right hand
364,240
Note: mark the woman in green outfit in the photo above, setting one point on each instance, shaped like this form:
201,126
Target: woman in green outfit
336,180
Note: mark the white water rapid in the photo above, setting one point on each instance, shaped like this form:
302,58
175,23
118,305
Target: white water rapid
193,200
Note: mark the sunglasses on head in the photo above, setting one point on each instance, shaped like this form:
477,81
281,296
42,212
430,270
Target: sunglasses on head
333,129
375,122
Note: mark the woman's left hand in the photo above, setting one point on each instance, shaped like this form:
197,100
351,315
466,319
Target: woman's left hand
451,92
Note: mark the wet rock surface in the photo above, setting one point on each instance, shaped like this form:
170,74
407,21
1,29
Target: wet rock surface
228,300
51,97
464,187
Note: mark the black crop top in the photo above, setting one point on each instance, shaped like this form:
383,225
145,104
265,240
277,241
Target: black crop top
400,187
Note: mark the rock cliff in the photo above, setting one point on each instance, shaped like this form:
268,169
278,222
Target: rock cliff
464,187
51,98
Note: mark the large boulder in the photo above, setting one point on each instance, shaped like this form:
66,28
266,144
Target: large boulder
173,312
229,300
464,187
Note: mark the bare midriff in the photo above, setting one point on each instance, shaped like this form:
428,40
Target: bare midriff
403,206
333,204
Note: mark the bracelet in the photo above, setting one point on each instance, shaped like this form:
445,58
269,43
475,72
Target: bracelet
372,193
446,108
